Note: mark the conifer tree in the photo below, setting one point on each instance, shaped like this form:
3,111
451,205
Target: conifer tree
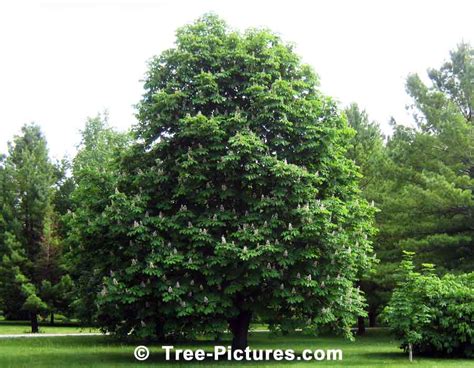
30,180
429,200
12,263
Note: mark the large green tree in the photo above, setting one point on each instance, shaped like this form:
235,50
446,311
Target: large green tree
236,201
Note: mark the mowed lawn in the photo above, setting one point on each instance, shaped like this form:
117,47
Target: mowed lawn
376,349
23,327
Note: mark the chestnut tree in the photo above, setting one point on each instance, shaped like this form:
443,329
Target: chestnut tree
236,199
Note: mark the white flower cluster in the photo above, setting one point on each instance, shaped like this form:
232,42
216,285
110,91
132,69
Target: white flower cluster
103,291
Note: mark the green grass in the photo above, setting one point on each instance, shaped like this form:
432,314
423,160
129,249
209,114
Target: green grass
376,349
22,327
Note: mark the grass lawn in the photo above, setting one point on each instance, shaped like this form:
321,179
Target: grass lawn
22,327
376,349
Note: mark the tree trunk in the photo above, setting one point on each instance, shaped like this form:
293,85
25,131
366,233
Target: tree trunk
239,326
159,330
34,322
218,337
51,321
360,325
372,318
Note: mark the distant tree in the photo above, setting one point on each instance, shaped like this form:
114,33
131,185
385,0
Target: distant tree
95,175
366,149
61,198
59,296
424,187
31,174
368,152
451,92
52,268
31,251
236,199
430,205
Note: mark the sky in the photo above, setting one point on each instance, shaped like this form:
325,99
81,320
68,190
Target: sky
62,61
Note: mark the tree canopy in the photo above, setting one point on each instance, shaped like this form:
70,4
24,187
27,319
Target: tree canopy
236,199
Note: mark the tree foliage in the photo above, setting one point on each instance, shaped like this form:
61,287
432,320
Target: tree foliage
95,173
367,149
30,245
429,203
236,199
433,314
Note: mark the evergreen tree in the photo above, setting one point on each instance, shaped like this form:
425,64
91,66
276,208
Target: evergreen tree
12,263
61,198
30,182
367,150
9,305
423,185
430,203
52,268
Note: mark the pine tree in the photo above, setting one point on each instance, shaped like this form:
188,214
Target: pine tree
30,179
51,268
12,263
424,188
429,203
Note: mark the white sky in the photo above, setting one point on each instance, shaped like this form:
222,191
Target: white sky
61,61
